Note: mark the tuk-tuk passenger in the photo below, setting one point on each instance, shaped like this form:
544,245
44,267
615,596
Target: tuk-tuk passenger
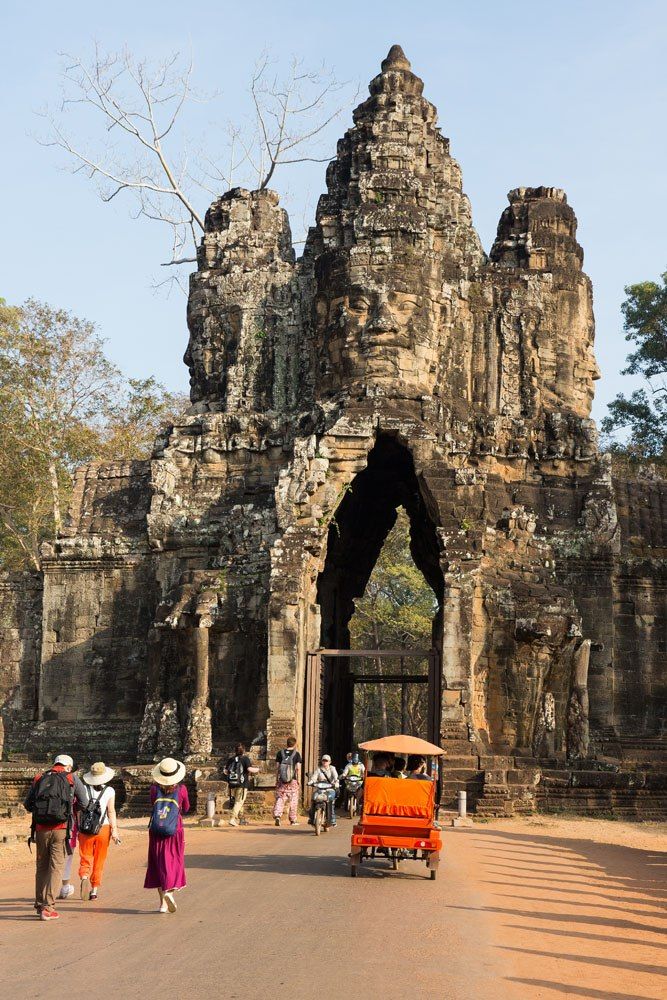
382,766
417,768
399,768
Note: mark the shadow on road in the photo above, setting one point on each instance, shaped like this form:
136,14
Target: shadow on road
588,895
575,991
319,866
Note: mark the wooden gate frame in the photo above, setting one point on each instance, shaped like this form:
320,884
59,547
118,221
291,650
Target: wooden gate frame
314,704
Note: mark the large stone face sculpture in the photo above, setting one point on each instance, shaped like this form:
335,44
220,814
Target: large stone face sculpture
393,364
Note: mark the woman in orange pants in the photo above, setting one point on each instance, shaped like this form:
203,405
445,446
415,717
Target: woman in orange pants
93,847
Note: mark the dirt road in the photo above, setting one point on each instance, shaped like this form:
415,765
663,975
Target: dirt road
515,913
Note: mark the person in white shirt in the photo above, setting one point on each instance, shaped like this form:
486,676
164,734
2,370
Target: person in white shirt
100,817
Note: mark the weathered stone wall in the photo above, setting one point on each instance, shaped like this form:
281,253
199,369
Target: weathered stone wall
20,639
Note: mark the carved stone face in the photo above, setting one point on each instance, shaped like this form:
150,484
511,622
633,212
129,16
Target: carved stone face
380,330
212,349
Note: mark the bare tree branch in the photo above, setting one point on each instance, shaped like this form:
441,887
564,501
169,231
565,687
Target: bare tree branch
134,112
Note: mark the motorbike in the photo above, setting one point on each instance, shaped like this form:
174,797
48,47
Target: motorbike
354,784
321,799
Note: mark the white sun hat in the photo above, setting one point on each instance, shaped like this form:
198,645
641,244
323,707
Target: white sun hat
99,774
168,772
64,760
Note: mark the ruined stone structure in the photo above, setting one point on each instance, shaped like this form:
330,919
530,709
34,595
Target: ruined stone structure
394,364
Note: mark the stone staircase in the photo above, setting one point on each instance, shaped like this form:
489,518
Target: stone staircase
649,751
258,804
460,767
509,787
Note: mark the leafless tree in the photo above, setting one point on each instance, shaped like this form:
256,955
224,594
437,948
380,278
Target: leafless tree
136,116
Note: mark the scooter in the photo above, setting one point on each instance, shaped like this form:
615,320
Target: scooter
354,784
321,800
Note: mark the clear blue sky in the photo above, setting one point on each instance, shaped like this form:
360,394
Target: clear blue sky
572,94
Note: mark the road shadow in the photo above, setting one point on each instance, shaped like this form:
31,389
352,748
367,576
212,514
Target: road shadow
587,895
576,991
316,865
23,909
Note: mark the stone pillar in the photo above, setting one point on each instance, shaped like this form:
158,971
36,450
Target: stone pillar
201,663
199,738
578,734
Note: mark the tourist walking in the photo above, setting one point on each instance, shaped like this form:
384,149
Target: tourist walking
166,838
288,777
237,773
97,827
51,801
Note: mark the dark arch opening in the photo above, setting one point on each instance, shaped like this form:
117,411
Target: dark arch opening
357,533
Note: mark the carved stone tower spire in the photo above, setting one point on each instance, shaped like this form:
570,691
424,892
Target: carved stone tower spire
394,224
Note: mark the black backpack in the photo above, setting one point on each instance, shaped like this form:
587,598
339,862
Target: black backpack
51,798
235,772
91,818
286,766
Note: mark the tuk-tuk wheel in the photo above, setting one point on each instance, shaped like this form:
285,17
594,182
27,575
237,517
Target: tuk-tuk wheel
353,871
433,874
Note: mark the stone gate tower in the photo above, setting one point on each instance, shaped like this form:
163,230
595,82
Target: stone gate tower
393,364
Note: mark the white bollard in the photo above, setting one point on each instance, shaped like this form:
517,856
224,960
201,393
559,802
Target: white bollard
210,806
463,805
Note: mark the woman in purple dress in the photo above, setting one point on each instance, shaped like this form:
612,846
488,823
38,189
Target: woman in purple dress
166,855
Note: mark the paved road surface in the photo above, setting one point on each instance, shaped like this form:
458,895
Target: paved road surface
272,912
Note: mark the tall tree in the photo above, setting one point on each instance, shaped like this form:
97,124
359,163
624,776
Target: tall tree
62,402
644,414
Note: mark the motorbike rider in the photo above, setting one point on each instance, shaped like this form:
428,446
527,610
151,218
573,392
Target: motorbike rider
353,769
325,774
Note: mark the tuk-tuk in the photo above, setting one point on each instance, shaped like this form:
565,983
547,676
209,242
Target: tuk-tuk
398,819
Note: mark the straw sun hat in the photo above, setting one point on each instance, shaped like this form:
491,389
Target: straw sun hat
168,772
99,774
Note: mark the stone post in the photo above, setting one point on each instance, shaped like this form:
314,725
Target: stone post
463,804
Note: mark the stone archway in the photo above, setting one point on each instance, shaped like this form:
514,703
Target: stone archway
366,514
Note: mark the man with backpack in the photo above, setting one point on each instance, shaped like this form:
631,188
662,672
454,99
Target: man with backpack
288,777
237,773
51,801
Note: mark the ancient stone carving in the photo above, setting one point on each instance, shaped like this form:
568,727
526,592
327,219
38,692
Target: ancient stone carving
578,707
393,364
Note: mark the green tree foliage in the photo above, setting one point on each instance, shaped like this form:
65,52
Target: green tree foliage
395,612
62,403
398,605
644,413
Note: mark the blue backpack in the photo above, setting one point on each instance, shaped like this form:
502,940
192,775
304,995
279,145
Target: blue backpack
164,818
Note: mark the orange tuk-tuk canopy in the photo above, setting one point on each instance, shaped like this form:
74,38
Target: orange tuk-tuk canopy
402,745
